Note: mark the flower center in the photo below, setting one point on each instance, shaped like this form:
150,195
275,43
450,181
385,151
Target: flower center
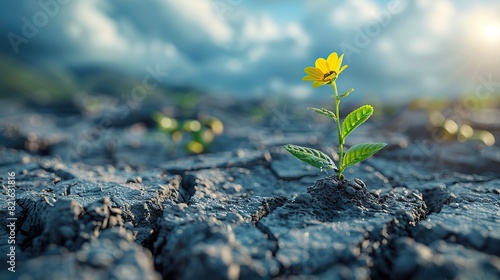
327,75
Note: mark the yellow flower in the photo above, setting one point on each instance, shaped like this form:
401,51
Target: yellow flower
325,71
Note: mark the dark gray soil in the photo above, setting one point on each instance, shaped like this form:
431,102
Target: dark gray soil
119,205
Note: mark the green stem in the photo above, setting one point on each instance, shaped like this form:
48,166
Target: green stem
339,129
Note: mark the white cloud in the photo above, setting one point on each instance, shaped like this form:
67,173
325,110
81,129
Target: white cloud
170,50
300,91
203,16
297,33
91,25
440,17
261,52
255,54
352,13
421,46
295,90
259,29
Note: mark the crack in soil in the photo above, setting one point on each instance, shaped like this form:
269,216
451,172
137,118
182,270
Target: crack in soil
379,244
269,205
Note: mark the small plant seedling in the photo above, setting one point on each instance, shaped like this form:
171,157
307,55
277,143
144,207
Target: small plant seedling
326,72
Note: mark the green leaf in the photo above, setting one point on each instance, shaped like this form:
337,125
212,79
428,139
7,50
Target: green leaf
360,152
356,118
347,93
310,156
324,111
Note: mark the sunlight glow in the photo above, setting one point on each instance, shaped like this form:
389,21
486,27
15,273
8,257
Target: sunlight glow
491,33
481,35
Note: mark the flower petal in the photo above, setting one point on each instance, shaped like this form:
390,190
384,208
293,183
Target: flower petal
314,72
322,65
332,61
309,78
339,63
317,84
343,68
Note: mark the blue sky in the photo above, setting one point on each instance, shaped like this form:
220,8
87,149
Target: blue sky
396,50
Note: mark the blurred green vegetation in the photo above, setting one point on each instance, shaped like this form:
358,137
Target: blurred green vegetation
195,134
30,84
22,82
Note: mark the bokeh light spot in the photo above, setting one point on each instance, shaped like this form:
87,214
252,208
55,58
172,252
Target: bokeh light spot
194,125
195,147
466,131
450,126
487,138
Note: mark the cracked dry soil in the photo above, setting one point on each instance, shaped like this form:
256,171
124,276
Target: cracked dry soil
232,222
251,214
